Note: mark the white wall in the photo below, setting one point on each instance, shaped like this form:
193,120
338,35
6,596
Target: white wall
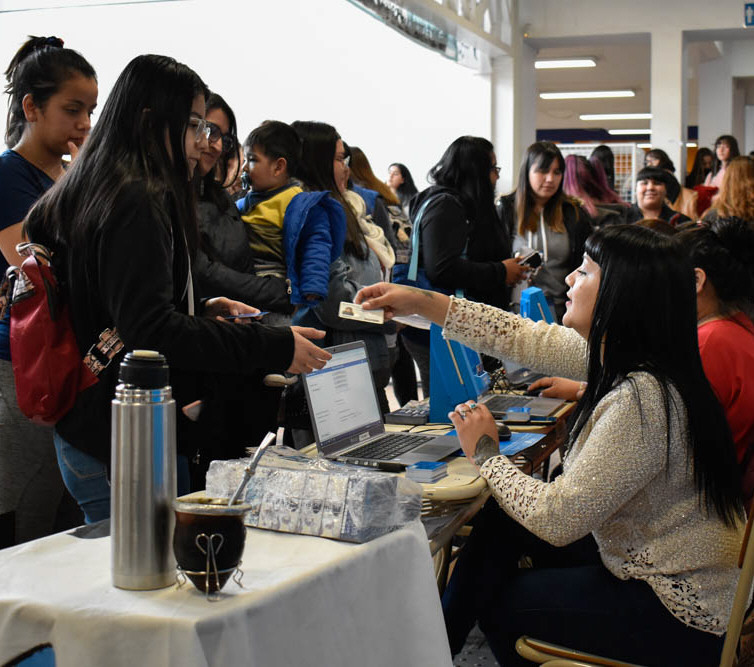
321,60
721,105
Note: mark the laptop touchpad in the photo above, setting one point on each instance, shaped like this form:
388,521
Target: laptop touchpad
433,450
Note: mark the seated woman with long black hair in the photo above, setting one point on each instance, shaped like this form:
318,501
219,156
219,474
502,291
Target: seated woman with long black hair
634,547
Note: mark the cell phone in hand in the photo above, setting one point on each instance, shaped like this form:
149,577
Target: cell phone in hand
246,316
533,260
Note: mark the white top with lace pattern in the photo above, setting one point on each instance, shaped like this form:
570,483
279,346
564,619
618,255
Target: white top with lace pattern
623,479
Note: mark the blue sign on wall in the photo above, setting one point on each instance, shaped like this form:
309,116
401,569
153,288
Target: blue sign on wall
749,14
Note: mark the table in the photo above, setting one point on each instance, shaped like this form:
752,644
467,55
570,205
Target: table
306,601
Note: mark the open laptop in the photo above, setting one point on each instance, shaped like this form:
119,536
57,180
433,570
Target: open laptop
346,415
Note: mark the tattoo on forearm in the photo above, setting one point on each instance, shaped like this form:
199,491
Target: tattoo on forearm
486,448
427,293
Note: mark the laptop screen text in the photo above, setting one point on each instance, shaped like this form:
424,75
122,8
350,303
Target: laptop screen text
342,397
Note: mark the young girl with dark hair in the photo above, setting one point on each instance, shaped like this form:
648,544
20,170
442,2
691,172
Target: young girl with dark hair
634,547
52,93
726,148
540,216
122,225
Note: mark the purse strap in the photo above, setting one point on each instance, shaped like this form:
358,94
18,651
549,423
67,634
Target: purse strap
413,265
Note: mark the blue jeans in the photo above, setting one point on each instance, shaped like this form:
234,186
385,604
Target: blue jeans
86,478
568,597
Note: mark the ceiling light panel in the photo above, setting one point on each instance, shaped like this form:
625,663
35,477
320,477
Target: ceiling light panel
616,116
586,94
565,63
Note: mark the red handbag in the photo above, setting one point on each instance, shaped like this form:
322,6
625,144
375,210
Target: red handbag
47,366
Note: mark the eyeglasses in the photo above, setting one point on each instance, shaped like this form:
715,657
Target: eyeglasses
201,128
216,134
496,169
345,159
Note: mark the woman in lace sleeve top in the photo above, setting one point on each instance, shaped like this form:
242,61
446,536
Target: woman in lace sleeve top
634,546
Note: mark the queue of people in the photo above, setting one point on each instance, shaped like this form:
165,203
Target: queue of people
166,228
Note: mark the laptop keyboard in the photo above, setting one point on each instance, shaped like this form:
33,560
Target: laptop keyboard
389,446
502,403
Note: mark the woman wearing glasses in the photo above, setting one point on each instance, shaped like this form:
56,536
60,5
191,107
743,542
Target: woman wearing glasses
243,409
462,245
225,262
124,224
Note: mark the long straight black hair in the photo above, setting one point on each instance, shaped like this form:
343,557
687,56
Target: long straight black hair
140,136
39,68
212,182
407,189
465,167
645,320
315,171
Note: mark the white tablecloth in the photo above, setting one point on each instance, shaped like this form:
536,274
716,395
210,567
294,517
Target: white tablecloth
305,601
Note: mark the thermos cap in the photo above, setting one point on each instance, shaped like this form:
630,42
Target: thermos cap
145,369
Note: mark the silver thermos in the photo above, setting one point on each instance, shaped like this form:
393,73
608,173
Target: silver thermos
143,474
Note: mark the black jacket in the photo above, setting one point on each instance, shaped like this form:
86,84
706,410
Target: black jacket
132,274
224,263
577,223
445,231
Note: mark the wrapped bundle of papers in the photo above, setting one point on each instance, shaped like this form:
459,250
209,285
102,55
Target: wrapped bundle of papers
296,494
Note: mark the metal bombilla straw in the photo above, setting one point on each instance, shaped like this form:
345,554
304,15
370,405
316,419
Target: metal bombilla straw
268,439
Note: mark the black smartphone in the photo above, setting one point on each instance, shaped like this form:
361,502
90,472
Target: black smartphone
533,260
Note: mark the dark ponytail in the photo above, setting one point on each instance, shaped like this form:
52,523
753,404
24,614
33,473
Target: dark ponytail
39,68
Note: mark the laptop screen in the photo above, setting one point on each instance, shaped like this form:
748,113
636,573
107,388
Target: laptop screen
342,398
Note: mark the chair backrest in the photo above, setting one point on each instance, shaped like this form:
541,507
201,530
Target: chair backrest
741,599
